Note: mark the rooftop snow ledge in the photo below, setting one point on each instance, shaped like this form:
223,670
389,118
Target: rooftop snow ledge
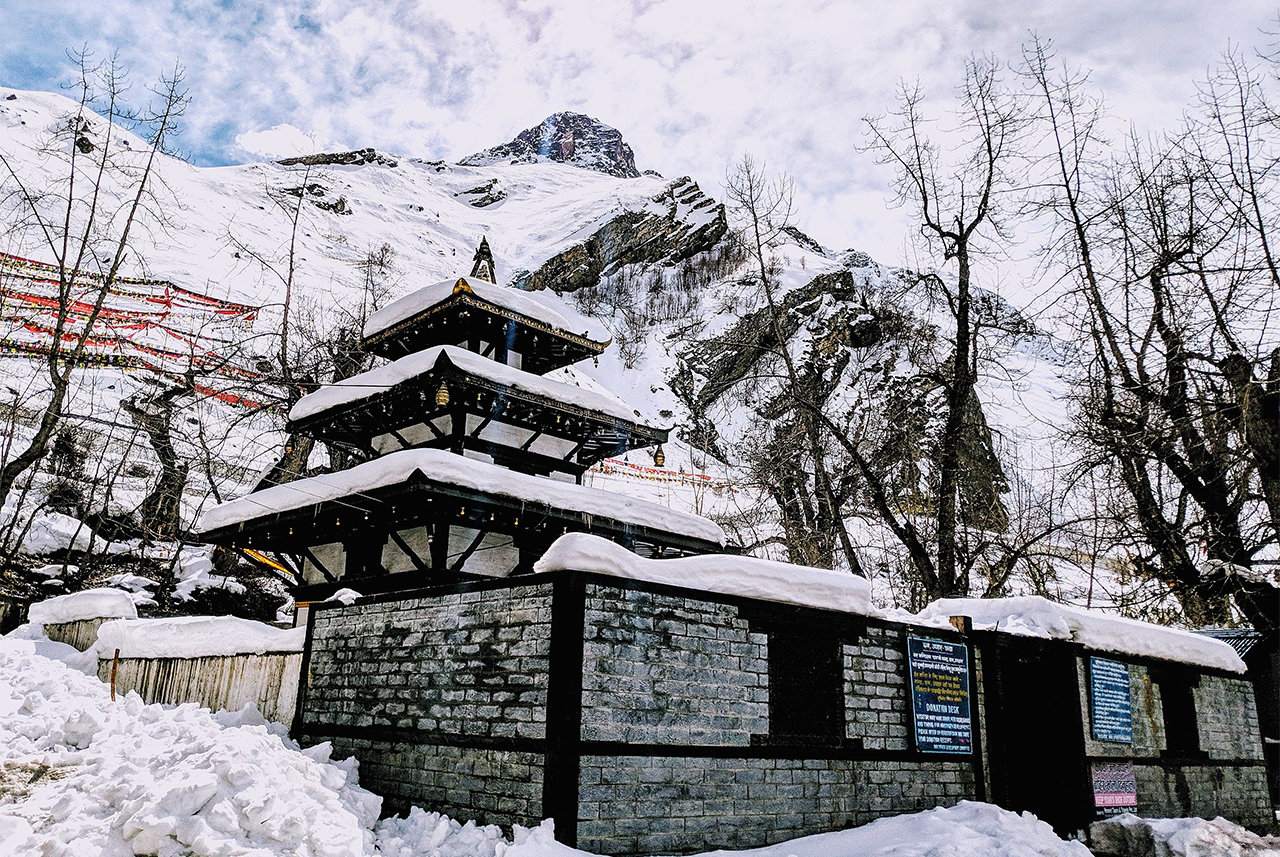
726,574
1033,616
383,378
103,603
428,296
446,467
195,637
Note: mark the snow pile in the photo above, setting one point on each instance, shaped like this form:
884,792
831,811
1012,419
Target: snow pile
51,532
1128,834
121,778
345,596
1033,616
85,662
195,571
136,585
430,833
428,296
729,575
56,569
383,378
439,466
87,604
965,830
195,637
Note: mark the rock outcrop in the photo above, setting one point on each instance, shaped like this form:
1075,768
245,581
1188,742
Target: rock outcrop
678,223
356,158
567,138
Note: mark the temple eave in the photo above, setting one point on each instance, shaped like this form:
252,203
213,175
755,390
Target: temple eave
422,502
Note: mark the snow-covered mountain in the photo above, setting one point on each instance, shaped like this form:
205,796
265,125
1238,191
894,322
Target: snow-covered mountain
645,260
566,138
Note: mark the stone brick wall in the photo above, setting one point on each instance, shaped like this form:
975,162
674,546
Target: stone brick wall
1148,720
1227,715
1236,793
689,673
673,805
877,701
1227,722
417,688
659,669
490,786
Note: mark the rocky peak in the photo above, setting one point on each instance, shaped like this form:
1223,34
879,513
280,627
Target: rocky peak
567,138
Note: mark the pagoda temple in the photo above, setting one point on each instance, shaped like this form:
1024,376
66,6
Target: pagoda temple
470,460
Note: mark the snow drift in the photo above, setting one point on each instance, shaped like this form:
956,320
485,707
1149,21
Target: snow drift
195,637
724,573
103,603
1033,616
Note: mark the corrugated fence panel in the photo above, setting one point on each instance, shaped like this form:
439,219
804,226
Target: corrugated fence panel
81,634
269,681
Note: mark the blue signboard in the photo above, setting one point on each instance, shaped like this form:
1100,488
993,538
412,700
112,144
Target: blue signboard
1110,702
940,695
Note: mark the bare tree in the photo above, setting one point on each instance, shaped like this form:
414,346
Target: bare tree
767,208
86,221
292,372
957,190
1166,246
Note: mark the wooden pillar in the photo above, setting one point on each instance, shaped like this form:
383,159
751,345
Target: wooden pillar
564,707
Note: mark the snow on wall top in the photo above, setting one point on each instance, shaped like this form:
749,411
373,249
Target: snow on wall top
723,573
385,377
103,603
195,637
1033,616
428,296
441,466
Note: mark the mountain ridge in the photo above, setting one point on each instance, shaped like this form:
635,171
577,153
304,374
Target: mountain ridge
568,138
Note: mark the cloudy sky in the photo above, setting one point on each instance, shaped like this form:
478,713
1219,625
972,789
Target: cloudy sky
691,84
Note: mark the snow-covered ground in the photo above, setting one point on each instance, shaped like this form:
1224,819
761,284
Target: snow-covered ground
83,776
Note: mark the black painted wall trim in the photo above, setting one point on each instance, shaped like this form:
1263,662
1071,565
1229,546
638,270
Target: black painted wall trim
1173,763
564,707
424,737
850,753
304,678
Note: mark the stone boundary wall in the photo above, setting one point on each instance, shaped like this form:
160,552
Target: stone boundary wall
442,697
641,716
664,670
1232,779
673,805
876,697
688,675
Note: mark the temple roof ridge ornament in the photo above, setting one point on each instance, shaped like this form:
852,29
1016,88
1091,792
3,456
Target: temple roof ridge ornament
484,267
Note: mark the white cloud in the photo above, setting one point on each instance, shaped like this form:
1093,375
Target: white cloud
282,141
690,85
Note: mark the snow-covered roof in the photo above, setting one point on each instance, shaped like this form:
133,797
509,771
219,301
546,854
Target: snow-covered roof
723,573
103,603
1033,616
380,380
426,297
448,468
195,637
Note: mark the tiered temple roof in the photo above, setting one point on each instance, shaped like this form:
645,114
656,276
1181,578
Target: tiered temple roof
472,462
482,317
